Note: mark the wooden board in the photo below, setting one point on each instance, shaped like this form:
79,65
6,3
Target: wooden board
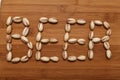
98,69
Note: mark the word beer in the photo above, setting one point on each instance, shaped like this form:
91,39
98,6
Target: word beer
67,40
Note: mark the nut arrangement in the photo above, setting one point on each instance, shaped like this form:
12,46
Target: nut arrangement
44,41
104,39
68,40
23,38
40,41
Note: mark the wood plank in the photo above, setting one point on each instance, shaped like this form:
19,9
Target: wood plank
40,2
103,3
98,69
92,8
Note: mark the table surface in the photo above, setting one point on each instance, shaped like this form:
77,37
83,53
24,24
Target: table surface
99,68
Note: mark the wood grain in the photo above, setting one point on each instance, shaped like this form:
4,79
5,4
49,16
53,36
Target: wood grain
98,69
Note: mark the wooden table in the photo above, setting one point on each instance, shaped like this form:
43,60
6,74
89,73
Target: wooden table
98,69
